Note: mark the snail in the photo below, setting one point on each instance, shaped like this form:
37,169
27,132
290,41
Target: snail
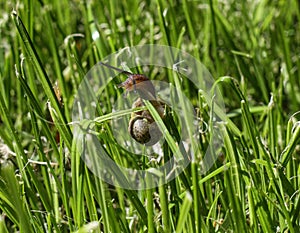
142,127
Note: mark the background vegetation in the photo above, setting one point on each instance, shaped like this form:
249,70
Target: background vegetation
250,47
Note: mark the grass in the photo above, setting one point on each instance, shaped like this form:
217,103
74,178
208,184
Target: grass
252,50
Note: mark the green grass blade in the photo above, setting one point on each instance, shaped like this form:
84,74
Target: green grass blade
187,204
61,120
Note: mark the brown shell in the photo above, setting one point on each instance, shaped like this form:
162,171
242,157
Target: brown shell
142,126
139,129
143,131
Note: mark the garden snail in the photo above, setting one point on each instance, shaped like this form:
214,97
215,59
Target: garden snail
142,126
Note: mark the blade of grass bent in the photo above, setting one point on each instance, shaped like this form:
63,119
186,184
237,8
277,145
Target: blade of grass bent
61,124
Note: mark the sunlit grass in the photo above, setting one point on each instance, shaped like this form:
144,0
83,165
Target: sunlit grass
251,48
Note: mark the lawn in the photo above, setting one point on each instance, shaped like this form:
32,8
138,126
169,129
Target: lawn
220,88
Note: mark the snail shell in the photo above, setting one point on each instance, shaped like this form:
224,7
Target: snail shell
143,131
142,126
